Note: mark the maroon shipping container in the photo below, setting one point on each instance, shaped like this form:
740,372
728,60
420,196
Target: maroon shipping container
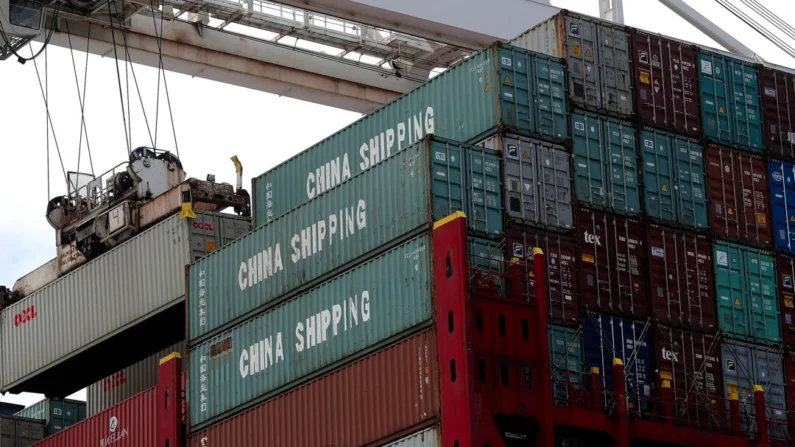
666,82
778,109
785,269
561,253
681,278
612,263
739,207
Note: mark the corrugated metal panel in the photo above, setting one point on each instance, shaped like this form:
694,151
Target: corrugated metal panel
502,85
130,424
130,381
738,195
388,391
606,163
17,431
134,281
730,100
597,56
37,279
538,183
785,270
745,279
482,182
605,338
343,317
782,203
431,437
746,365
666,83
613,263
681,275
674,179
567,361
778,103
57,414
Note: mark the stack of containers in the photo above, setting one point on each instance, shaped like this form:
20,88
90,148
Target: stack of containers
57,414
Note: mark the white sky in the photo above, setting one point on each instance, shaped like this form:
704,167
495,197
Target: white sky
213,121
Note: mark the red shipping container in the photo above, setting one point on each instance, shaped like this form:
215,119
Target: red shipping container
785,269
561,256
778,109
612,263
666,82
681,278
738,196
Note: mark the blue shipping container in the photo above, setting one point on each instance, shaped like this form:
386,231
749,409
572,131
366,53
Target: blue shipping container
567,361
781,175
674,179
606,337
730,100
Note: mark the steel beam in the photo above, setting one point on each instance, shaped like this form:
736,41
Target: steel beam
706,26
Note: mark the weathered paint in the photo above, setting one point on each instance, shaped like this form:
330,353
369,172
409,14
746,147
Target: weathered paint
730,100
567,361
745,282
785,272
778,106
502,86
16,431
674,179
430,437
606,163
431,179
782,203
58,414
344,317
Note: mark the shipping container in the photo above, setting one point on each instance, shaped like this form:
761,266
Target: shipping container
16,431
674,179
403,195
390,390
738,196
606,163
746,365
58,414
567,361
127,300
681,278
785,270
10,409
562,269
745,279
597,57
538,182
606,337
778,102
666,83
430,437
782,203
130,381
613,264
730,108
502,86
133,423
341,319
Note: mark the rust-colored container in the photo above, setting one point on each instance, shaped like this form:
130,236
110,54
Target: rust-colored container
785,269
681,278
132,423
778,111
666,83
561,255
387,392
612,263
739,206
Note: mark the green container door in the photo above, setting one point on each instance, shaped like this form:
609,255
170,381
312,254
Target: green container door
484,188
745,280
606,163
59,414
730,101
567,361
674,179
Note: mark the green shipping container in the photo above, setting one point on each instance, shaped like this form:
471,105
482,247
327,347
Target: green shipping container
351,221
59,414
501,86
674,179
337,322
605,163
745,280
567,361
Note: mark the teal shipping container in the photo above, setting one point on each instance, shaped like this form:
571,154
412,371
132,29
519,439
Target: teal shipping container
58,414
502,86
606,163
730,104
355,313
567,361
674,179
745,281
357,219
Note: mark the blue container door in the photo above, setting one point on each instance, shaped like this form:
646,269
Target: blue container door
568,364
781,176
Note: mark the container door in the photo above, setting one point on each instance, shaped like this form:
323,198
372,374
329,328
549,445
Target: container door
785,269
778,104
724,176
738,370
555,187
782,200
753,186
748,123
516,81
764,313
582,62
7,431
691,183
769,372
484,208
566,358
658,177
614,70
650,76
730,283
715,93
521,199
625,194
486,265
681,61
552,98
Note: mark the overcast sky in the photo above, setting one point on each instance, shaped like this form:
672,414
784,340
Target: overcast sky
213,122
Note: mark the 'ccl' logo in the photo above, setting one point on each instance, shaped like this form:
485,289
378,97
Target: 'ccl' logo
777,176
25,316
206,226
669,355
591,238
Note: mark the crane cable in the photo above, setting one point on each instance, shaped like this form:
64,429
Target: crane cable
162,69
757,27
118,79
771,17
7,41
81,99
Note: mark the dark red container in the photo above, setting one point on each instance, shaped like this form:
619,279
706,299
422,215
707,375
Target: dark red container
785,269
778,109
739,206
613,266
691,362
681,278
561,255
666,83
